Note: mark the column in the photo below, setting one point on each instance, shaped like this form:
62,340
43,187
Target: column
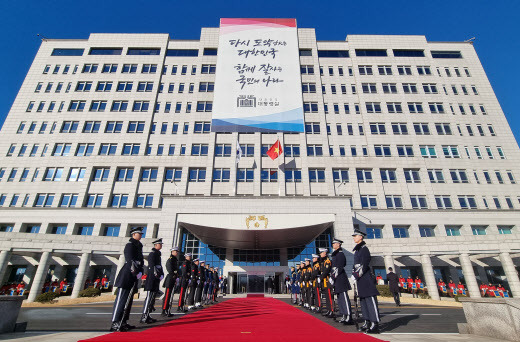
429,277
82,274
39,278
469,275
510,271
231,282
389,262
4,262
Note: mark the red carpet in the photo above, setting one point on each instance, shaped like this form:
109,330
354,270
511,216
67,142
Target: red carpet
255,295
242,319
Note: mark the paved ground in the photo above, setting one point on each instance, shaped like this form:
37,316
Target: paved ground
74,322
409,318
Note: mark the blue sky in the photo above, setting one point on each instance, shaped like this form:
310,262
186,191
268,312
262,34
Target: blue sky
495,24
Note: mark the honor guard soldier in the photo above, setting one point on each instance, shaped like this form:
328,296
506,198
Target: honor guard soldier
295,278
315,278
326,287
201,279
367,290
192,286
340,282
126,281
169,282
185,278
215,283
307,280
205,291
153,279
303,295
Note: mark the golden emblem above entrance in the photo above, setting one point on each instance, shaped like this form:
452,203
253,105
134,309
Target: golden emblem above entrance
252,218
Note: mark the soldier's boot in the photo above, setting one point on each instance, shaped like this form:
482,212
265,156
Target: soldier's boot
373,329
116,326
349,320
164,313
365,326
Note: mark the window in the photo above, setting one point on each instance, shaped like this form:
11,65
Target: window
478,230
394,107
400,232
394,202
404,69
68,201
427,231
245,175
316,175
114,127
327,53
204,106
368,201
505,230
76,174
443,202
405,150
53,174
364,175
415,107
66,52
130,149
309,87
373,107
446,54
149,174
61,149
436,107
412,175
408,53
369,88
399,128
452,230
384,69
307,69
201,127
382,151
83,86
76,106
388,175
22,150
436,175
173,174
145,86
511,177
340,175
98,106
292,150
410,88
107,149
182,53
389,88
374,233
312,128
208,69
418,202
149,69
119,106
125,174
94,200
424,70
221,175
206,87
199,150
371,53
222,150
135,127
197,175
140,106
85,230
310,107
467,202
91,126
459,176
44,200
314,150
100,174
365,70
293,175
450,151
269,175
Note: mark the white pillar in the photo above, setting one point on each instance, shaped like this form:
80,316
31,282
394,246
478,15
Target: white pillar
389,262
511,275
429,277
469,275
4,262
39,278
82,274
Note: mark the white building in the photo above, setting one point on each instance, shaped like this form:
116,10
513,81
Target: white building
405,139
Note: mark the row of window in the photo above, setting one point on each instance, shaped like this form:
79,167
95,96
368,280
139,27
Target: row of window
388,88
339,175
199,127
394,108
70,200
385,70
118,106
403,231
224,150
382,53
123,86
129,69
82,229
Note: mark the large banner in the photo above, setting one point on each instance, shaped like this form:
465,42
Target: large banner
258,84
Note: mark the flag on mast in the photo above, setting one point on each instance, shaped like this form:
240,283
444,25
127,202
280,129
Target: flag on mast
238,152
275,150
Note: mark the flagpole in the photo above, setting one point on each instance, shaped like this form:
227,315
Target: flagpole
279,163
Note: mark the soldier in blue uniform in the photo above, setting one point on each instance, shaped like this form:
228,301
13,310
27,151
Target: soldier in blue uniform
201,279
367,290
169,282
315,275
193,284
303,294
205,291
340,282
295,280
126,281
153,278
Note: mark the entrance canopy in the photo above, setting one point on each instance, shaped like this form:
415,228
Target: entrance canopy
256,231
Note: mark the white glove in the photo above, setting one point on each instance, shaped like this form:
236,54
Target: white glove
139,275
319,280
331,281
162,277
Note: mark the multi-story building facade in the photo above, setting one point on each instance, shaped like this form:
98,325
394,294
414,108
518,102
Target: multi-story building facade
404,139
